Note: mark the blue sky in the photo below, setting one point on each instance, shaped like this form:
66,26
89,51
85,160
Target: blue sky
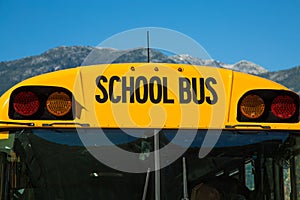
265,32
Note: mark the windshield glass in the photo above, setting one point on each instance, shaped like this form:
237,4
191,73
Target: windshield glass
58,164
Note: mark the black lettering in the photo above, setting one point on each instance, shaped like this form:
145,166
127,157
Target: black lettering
104,95
156,99
111,89
141,81
208,85
184,90
196,91
165,91
129,89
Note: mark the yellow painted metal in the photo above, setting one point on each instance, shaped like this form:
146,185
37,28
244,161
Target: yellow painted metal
103,93
211,83
4,135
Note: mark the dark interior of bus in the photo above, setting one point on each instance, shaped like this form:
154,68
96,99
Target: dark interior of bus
242,165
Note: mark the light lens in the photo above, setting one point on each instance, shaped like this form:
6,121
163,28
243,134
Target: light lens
252,106
283,107
59,104
26,103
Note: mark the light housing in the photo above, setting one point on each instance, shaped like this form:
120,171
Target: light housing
42,103
274,106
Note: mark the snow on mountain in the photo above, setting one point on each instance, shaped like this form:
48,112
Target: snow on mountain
248,67
242,66
187,59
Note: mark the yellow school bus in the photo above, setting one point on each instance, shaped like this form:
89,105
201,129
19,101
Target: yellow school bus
149,131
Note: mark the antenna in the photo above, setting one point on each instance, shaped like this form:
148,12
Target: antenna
148,47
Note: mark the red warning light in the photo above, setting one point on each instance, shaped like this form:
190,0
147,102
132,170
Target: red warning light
26,103
283,107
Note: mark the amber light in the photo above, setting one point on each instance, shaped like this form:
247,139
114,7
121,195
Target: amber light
59,104
283,107
26,103
252,106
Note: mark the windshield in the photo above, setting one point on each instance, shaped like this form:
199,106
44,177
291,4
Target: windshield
60,164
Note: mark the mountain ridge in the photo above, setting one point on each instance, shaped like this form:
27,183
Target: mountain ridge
65,57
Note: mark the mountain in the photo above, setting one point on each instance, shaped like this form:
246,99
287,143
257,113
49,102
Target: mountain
65,57
247,67
288,77
242,66
107,55
187,59
54,59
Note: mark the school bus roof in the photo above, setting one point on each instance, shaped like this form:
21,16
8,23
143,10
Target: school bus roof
147,95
